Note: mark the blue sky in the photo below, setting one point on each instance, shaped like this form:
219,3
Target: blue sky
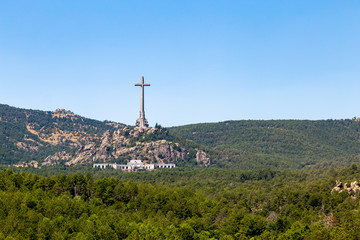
206,61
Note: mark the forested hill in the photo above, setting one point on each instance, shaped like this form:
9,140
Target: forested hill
279,143
27,135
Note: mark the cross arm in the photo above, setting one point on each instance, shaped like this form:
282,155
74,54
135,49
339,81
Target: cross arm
142,84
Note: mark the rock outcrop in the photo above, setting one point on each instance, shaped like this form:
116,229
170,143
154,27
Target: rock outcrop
62,113
201,158
150,145
57,158
350,188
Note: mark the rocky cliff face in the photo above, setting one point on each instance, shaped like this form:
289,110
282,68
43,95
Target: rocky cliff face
145,144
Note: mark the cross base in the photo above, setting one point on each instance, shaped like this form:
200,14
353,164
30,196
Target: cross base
141,122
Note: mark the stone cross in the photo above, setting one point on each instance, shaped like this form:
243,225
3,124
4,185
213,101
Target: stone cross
142,122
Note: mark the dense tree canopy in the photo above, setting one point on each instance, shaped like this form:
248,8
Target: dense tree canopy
198,204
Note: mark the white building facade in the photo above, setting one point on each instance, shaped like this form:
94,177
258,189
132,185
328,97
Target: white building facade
132,165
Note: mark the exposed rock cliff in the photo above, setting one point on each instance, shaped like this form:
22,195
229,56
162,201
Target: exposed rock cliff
201,158
152,145
57,158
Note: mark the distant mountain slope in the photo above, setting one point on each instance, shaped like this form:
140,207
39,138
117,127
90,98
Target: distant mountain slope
27,135
279,143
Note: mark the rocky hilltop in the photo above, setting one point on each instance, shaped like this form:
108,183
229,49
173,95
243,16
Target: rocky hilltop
152,145
38,138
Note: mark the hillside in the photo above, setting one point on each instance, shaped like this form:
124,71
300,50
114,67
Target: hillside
279,143
38,138
32,135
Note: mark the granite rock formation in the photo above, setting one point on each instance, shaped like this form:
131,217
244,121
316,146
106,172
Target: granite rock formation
146,144
351,188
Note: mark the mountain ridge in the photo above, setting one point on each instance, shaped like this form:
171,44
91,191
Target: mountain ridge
60,136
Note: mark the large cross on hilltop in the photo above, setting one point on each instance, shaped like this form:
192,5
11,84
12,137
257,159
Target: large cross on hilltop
142,122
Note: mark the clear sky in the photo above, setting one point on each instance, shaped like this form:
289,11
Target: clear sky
206,61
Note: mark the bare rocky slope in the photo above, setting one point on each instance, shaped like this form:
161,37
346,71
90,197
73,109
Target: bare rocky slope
152,145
